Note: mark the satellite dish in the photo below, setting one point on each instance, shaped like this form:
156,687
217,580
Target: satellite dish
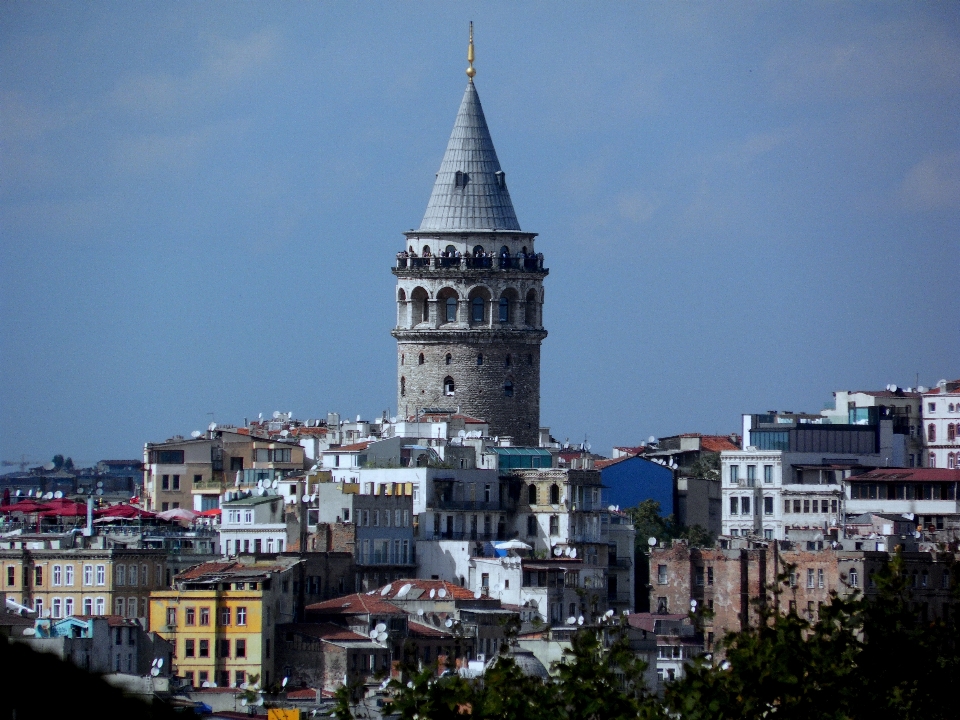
373,634
442,592
571,620
476,595
557,551
693,605
99,491
259,699
284,433
580,620
261,492
381,627
462,434
404,590
420,612
284,683
651,541
160,662
195,434
259,483
433,593
573,553
211,427
276,414
100,483
205,683
587,447
449,622
566,551
243,701
381,637
276,484
154,671
48,496
393,420
608,613
358,418
58,494
386,589
305,498
651,440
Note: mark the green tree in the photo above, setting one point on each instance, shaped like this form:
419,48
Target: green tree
57,462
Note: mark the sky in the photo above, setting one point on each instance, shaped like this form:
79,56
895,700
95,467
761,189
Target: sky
743,206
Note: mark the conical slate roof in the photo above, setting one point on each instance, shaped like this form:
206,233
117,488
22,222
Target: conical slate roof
478,199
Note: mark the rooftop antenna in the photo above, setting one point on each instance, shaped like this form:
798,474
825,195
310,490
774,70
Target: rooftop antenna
470,70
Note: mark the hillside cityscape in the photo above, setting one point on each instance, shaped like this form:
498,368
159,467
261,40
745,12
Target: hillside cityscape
455,557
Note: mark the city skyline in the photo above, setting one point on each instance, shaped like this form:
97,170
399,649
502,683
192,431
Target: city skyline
742,207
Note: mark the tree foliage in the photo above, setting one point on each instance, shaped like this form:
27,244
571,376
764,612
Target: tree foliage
648,522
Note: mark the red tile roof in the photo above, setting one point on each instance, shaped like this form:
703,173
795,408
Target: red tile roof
601,464
717,443
302,694
910,475
418,629
452,591
356,604
356,447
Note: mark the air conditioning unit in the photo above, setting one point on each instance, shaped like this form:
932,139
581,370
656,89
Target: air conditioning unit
481,657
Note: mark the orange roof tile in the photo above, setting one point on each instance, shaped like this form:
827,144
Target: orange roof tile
451,590
356,604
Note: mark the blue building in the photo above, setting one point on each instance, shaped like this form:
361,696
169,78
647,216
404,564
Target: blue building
628,481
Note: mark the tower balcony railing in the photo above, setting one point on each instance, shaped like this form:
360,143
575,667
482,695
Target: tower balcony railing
489,262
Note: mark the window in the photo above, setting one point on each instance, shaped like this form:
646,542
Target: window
420,359
810,578
118,606
820,578
504,310
768,534
531,525
224,649
734,475
931,407
554,494
131,607
931,433
796,506
554,525
751,475
833,506
661,574
38,575
190,616
88,574
165,482
448,359
68,575
204,648
806,506
932,460
241,616
951,432
101,606
120,573
240,648
768,506
176,482
480,359
734,505
767,474
448,386
172,617
56,608
853,577
403,387
131,575
189,647
532,494
476,310
451,306
508,389
786,506
745,506
57,575
710,575
11,575
88,606
225,616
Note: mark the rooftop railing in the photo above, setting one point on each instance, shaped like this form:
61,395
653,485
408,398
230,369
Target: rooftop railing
503,262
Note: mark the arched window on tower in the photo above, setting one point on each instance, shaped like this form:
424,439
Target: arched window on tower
508,388
420,360
554,494
530,308
402,358
476,307
479,358
448,385
477,250
504,310
532,494
403,387
529,358
931,433
451,309
448,359
507,360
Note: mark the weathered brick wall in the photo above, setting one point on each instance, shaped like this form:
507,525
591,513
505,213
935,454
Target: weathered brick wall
479,389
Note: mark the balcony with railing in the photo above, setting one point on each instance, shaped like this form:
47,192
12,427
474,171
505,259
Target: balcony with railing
502,262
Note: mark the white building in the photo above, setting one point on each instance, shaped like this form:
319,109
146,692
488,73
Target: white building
253,524
941,425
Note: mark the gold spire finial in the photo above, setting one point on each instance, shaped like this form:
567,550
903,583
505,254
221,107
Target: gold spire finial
470,71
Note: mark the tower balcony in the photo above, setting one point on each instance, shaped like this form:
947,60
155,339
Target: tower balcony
416,265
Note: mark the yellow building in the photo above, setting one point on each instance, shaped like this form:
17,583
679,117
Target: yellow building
221,619
58,582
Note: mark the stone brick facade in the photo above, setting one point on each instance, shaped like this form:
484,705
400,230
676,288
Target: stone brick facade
730,582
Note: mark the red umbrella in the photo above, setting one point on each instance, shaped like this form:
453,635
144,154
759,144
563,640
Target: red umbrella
124,511
24,506
213,512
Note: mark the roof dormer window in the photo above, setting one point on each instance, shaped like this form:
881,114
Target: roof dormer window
460,179
501,179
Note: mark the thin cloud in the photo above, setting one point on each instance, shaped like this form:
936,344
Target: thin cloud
933,184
